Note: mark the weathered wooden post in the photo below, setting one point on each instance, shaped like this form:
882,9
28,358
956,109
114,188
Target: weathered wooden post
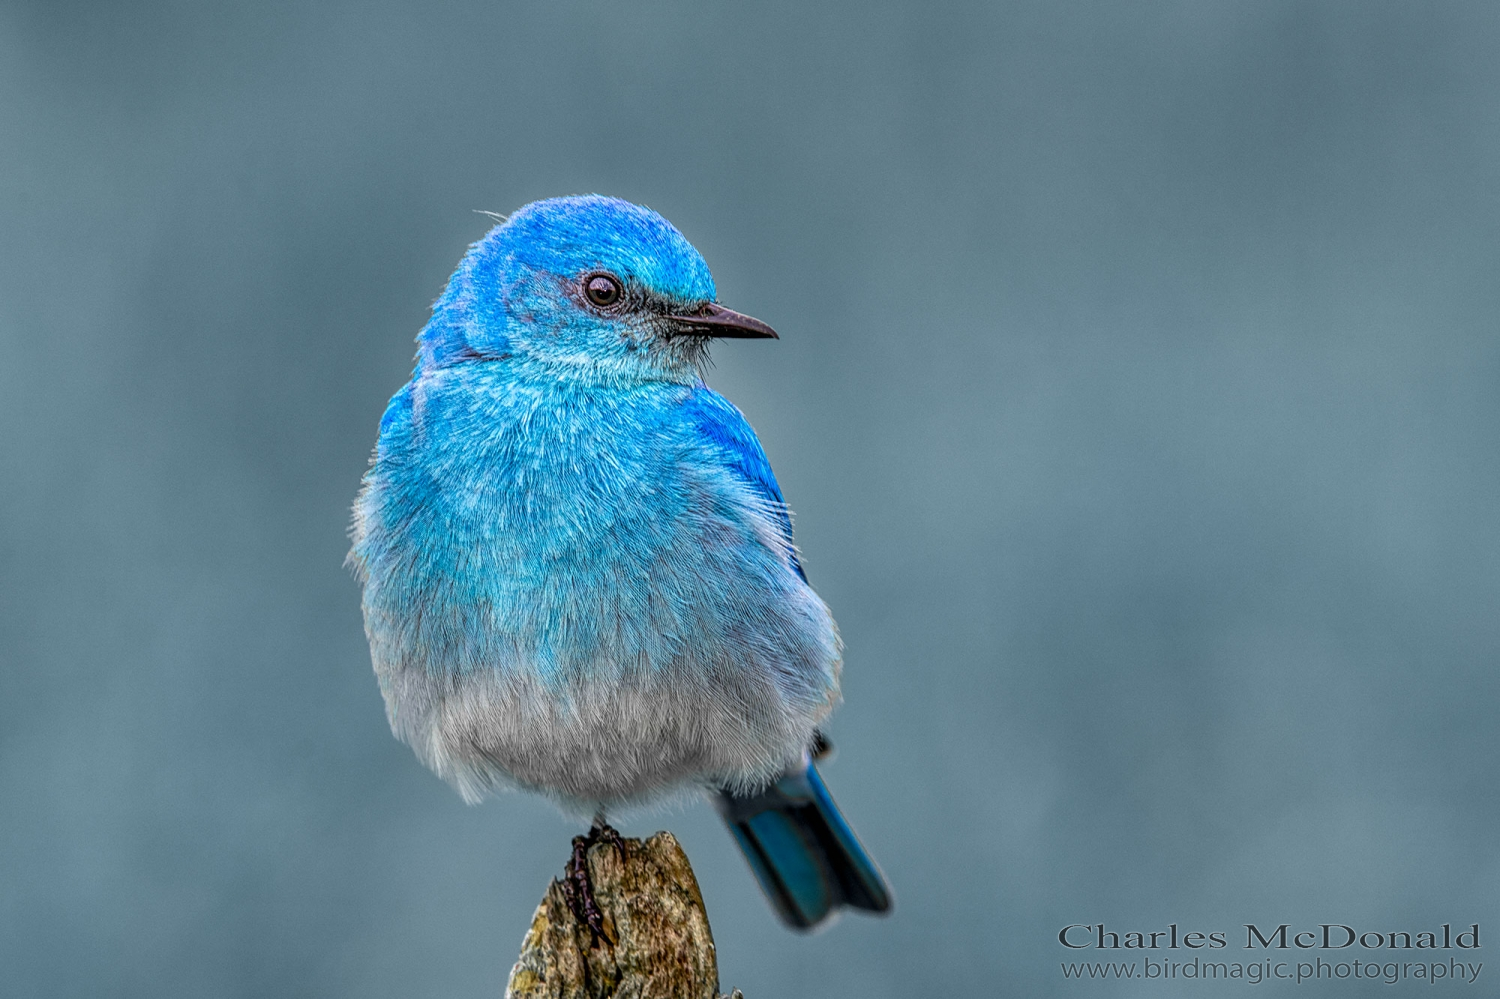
655,941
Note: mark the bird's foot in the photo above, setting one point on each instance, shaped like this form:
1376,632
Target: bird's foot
603,832
578,889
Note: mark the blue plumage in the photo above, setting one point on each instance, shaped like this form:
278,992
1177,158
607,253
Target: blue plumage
802,851
720,424
578,569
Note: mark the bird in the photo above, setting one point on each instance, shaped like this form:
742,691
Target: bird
577,567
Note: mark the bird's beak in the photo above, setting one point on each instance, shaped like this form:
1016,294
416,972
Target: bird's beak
717,321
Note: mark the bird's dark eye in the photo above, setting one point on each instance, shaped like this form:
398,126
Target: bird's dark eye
601,289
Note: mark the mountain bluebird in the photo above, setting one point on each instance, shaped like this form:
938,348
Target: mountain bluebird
578,570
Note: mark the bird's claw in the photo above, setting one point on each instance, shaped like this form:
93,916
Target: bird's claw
603,832
578,888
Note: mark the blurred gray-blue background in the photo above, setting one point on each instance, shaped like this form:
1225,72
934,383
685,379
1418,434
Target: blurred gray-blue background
1138,397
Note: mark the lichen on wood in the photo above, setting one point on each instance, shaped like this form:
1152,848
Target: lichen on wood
656,942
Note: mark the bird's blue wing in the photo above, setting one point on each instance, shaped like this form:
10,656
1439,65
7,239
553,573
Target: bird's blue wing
718,422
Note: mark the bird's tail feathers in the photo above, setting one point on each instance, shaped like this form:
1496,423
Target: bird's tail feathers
802,851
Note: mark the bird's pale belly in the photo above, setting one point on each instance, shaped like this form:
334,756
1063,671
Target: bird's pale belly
588,686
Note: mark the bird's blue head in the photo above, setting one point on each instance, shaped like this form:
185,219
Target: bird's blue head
589,284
